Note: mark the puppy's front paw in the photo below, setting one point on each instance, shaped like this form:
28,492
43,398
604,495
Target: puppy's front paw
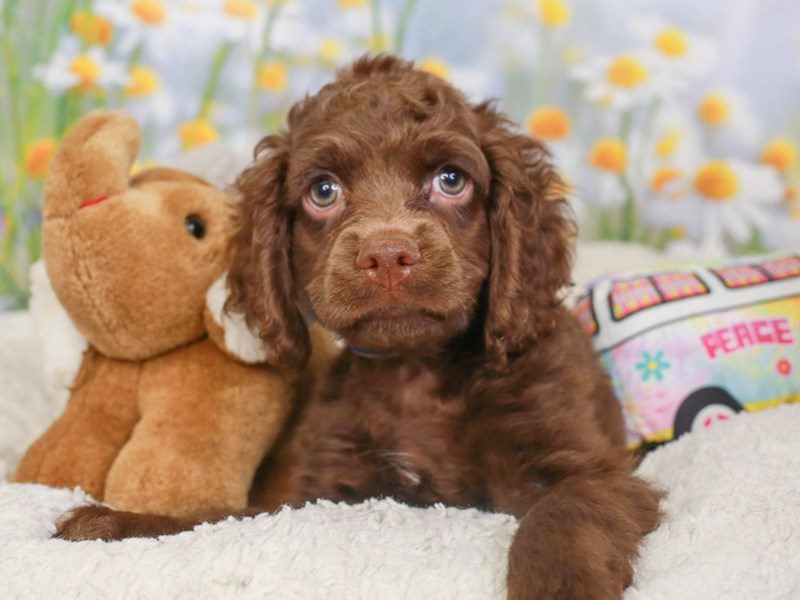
566,563
92,522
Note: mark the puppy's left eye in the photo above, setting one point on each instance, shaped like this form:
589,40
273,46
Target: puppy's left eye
324,193
451,183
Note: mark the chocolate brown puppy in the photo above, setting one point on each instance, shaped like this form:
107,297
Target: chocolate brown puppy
436,241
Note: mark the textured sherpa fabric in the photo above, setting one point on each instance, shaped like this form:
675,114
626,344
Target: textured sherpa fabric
732,529
25,409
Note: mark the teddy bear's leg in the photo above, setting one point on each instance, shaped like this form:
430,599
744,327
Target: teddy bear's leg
207,421
80,446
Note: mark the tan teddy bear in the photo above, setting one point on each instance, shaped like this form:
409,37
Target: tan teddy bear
165,415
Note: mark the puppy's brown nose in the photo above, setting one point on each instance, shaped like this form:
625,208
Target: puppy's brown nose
388,261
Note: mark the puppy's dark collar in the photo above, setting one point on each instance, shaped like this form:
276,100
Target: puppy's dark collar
311,318
369,353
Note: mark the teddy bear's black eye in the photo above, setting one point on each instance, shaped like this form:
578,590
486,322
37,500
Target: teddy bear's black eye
196,226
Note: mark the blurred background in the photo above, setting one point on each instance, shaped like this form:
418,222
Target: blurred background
676,123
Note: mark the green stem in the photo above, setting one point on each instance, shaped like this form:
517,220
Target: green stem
67,7
606,227
629,208
212,86
261,56
62,114
540,75
377,26
647,132
115,97
14,118
14,91
136,55
628,212
402,26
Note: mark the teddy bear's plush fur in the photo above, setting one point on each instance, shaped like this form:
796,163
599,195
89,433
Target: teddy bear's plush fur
163,416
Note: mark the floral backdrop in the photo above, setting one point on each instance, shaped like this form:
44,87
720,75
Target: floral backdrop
675,124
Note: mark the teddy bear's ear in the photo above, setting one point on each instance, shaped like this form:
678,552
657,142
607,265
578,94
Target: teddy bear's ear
62,344
93,162
229,330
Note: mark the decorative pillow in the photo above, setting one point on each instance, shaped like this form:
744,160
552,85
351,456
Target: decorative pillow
689,346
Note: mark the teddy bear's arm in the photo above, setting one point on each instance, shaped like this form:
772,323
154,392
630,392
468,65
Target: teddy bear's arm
80,446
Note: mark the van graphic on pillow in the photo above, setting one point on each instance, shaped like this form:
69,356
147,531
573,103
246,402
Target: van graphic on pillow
689,347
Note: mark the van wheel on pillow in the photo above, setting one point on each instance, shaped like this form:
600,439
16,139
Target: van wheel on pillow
704,408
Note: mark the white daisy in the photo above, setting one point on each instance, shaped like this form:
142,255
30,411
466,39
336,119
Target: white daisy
230,21
70,68
511,34
298,36
553,14
675,139
668,204
553,126
728,120
141,23
734,195
781,153
783,227
473,81
682,52
626,80
662,172
147,99
607,162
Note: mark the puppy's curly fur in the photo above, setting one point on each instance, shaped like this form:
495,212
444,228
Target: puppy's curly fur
483,390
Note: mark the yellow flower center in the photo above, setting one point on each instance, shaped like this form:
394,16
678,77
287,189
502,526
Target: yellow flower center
38,156
664,176
781,153
240,9
672,42
677,232
626,72
666,146
378,43
197,133
92,29
550,123
330,51
143,81
714,109
435,66
572,55
554,13
87,70
608,155
150,12
273,76
716,181
142,165
352,3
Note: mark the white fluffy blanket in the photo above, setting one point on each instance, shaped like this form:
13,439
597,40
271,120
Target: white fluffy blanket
732,528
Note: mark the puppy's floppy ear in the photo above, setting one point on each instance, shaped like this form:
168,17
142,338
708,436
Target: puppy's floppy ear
261,280
531,232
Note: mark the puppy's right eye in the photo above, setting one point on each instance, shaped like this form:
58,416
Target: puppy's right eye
324,193
451,186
